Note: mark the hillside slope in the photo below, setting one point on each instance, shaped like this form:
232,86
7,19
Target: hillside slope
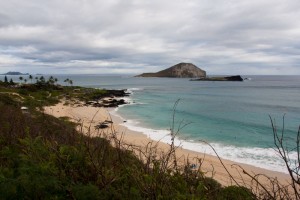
181,70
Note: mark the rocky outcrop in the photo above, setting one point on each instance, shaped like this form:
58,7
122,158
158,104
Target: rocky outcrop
181,70
227,78
110,98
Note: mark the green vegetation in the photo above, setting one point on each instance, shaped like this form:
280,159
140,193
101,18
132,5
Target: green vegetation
6,83
46,92
42,157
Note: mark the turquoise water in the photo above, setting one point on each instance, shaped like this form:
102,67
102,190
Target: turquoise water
232,116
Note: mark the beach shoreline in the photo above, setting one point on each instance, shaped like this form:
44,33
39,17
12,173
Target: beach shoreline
88,117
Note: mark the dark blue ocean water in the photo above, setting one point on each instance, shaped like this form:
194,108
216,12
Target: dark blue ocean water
233,116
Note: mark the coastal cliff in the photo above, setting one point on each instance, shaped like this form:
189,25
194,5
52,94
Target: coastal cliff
181,70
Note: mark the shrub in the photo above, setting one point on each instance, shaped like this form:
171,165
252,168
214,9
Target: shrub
87,192
236,193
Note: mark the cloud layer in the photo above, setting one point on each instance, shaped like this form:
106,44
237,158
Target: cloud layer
133,36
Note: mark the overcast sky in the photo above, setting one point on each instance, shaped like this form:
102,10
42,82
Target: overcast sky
134,36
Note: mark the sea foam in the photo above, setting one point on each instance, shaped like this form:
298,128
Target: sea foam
266,158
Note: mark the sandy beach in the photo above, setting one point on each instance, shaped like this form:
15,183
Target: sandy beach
88,117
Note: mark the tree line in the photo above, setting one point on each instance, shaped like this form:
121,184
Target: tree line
38,80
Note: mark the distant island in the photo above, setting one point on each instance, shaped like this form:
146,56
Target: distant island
226,78
189,70
15,73
181,70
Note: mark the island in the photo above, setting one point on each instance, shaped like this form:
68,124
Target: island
226,78
180,70
15,73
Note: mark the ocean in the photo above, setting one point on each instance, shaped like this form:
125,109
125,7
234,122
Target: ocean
234,117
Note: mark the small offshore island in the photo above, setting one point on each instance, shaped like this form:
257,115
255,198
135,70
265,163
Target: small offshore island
225,78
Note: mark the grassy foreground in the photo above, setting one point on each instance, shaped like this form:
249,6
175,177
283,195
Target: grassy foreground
42,157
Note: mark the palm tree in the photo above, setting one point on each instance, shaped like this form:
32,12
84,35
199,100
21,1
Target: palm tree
51,80
55,80
11,82
71,82
30,77
21,78
67,81
42,79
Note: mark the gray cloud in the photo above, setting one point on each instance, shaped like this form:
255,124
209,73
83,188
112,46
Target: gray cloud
97,36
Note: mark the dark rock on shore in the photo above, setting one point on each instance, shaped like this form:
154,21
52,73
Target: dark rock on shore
103,125
111,98
118,93
181,70
227,78
107,103
113,103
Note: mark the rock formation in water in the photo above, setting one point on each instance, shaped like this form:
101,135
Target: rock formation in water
226,78
181,70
